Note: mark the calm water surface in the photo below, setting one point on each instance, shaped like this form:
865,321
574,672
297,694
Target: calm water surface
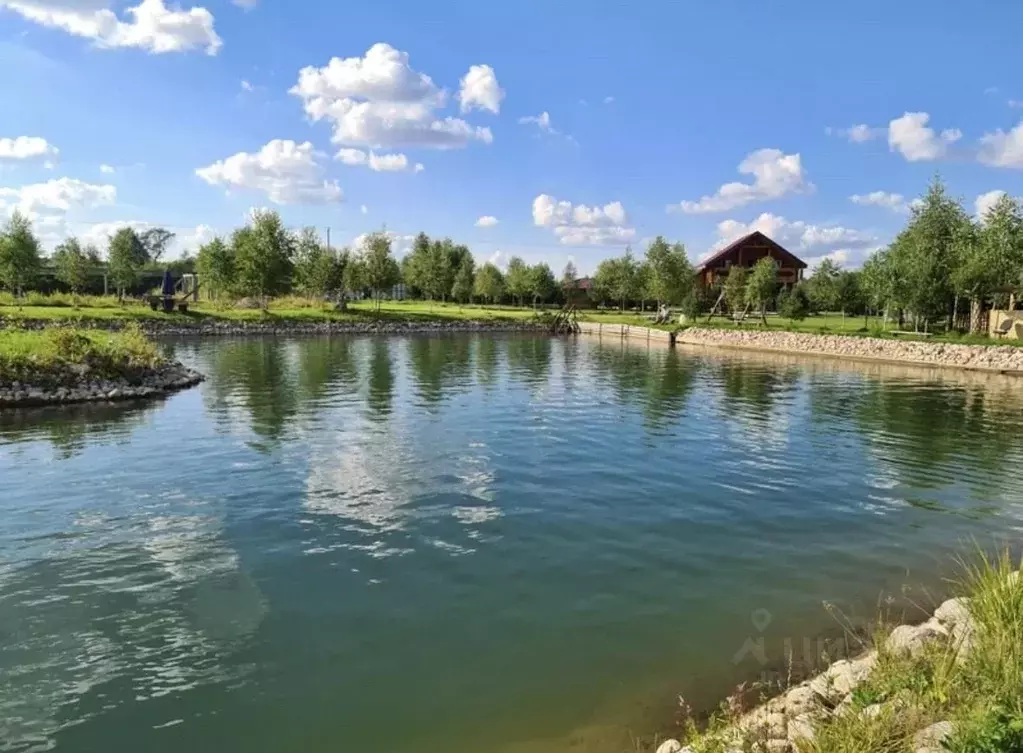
466,544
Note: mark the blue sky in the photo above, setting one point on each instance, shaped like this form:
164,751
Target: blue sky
204,112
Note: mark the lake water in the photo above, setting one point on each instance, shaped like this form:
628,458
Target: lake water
469,544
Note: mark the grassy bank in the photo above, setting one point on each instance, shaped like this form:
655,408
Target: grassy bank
50,355
62,308
961,680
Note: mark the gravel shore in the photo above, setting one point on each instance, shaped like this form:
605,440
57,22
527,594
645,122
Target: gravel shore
999,358
77,385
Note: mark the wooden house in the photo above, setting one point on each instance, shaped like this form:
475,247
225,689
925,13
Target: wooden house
746,252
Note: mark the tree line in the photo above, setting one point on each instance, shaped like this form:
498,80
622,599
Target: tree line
943,267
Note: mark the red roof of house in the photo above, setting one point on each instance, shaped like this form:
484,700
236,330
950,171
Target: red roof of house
794,260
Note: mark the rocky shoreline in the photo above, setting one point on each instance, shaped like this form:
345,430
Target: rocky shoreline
788,722
212,328
76,384
1006,359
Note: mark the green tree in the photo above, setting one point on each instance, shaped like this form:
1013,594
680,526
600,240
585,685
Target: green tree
735,289
72,265
216,267
417,267
155,241
440,275
928,252
125,258
568,279
380,271
462,288
672,278
990,257
489,283
541,283
617,279
19,254
762,286
794,303
353,277
516,280
848,293
822,287
264,253
318,269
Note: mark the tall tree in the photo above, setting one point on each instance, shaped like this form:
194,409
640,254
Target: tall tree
353,277
568,279
762,286
19,254
489,283
516,280
541,283
439,273
671,277
264,252
72,265
822,287
317,268
849,295
462,288
380,269
125,258
928,253
155,241
990,257
216,267
617,279
735,289
415,266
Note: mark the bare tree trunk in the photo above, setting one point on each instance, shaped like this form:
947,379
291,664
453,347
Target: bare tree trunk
975,312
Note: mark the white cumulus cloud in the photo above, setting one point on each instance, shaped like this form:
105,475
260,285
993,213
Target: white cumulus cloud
896,202
798,236
106,169
580,225
379,101
916,141
1003,149
857,134
984,203
150,26
541,121
27,148
775,175
389,163
287,172
487,221
364,209
56,197
479,89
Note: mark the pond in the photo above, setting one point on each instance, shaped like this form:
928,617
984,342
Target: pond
470,543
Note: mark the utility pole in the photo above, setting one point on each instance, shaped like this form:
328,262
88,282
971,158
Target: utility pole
328,239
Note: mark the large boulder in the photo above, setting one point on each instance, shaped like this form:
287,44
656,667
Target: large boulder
670,746
842,677
913,639
931,739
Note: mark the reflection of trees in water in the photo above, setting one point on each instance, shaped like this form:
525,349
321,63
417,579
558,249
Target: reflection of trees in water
71,428
324,362
487,357
751,390
381,379
529,358
930,432
439,364
256,375
658,381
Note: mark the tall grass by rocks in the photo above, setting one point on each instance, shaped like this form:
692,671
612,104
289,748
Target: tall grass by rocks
960,692
59,354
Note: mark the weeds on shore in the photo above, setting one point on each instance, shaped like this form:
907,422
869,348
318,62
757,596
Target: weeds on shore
974,680
27,355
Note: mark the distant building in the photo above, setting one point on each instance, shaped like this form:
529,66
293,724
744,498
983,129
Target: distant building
746,252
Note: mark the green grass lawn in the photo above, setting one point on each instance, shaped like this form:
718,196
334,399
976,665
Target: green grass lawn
304,310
